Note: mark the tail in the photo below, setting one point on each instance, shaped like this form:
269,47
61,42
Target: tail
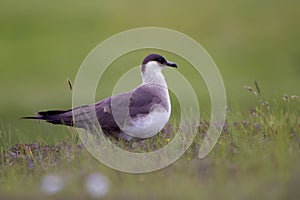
64,117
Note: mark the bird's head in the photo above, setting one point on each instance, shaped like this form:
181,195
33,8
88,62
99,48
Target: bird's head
155,62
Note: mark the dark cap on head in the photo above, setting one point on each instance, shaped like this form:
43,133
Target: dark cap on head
158,58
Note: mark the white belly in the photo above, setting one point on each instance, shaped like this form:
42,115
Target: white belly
145,126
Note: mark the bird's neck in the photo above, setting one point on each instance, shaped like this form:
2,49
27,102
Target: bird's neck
155,77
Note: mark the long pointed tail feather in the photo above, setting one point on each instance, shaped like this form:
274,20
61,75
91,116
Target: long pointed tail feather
55,117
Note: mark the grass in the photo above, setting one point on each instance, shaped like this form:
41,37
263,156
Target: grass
256,157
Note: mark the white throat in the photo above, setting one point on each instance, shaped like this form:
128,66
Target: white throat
152,74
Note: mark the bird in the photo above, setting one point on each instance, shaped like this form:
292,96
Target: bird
137,114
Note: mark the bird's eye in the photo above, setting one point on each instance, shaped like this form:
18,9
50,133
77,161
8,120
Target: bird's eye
160,60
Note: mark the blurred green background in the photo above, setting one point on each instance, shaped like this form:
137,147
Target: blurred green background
43,43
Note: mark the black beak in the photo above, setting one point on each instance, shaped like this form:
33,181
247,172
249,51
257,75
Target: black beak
171,64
